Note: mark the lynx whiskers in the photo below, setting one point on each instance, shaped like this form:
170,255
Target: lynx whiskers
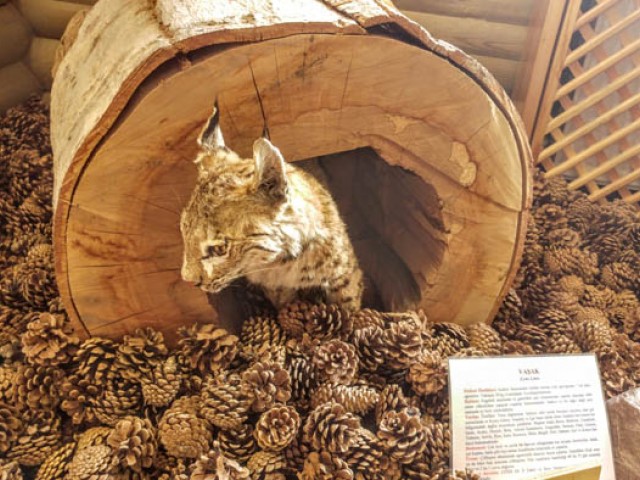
266,220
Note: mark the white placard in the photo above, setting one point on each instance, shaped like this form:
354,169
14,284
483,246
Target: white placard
514,418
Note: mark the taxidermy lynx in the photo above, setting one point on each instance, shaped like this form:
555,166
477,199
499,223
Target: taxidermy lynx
266,220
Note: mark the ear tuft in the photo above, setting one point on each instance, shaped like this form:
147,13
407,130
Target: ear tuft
270,176
210,137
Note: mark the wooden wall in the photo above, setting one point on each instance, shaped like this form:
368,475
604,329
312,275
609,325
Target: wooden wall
30,32
493,31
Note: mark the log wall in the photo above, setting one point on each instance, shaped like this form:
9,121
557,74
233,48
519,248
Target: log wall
30,32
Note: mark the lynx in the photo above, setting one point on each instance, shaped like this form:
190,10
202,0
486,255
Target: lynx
264,219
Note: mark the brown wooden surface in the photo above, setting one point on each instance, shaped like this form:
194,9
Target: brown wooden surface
123,147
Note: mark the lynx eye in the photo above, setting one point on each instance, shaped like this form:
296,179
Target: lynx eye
216,250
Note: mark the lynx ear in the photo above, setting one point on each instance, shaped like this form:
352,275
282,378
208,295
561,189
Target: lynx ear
270,169
211,136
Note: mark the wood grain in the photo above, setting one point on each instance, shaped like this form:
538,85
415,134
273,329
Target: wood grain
123,153
476,36
15,35
502,11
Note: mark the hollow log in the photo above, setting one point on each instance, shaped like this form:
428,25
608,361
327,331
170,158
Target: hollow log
421,147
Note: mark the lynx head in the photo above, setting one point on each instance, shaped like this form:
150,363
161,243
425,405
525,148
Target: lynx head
230,227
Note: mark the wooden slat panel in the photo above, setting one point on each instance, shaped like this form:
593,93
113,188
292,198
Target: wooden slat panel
503,11
546,19
593,99
596,11
475,36
610,61
601,37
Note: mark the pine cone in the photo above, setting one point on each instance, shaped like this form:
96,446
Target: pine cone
138,354
37,387
14,321
134,442
8,378
162,385
93,436
368,317
330,427
629,352
632,325
260,335
366,456
268,383
549,217
296,452
402,344
49,340
237,444
10,291
182,432
564,238
619,276
91,463
37,285
276,428
215,466
613,372
626,299
572,284
95,358
336,362
320,321
429,374
119,398
484,338
267,466
207,348
10,471
369,343
559,261
391,398
56,465
304,380
532,335
464,475
590,314
561,344
438,442
607,246
402,434
324,466
553,322
449,338
40,437
580,213
592,336
225,402
598,297
10,426
516,347
354,398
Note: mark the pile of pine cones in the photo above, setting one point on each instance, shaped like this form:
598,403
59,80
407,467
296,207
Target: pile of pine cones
305,393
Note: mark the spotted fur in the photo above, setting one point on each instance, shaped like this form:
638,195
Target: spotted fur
266,220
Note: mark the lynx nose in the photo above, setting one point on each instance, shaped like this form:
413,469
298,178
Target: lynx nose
188,275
